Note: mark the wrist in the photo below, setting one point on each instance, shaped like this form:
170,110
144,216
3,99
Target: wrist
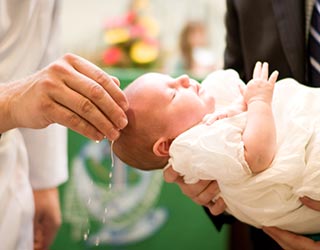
6,118
258,100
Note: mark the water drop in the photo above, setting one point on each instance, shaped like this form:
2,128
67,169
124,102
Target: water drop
85,236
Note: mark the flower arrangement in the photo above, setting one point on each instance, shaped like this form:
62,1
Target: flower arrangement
131,41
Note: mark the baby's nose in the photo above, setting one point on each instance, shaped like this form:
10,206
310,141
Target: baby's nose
184,81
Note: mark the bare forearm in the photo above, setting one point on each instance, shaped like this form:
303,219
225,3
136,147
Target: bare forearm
259,136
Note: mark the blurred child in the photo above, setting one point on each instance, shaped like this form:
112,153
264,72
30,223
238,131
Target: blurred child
196,57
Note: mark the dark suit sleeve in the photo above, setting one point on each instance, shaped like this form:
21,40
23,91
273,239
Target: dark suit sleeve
233,57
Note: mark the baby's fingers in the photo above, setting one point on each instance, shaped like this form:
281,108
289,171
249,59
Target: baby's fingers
209,119
273,78
257,70
265,71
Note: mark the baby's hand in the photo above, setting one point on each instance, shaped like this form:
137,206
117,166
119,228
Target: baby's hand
260,88
217,115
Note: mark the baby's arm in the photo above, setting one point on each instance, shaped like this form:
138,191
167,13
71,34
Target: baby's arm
259,136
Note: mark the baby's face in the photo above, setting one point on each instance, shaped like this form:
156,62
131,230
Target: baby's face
181,101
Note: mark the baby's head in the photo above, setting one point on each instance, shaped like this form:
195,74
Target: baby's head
160,108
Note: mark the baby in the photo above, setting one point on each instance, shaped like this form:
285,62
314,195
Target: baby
262,147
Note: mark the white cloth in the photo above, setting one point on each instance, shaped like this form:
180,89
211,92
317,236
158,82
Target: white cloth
16,206
28,42
270,198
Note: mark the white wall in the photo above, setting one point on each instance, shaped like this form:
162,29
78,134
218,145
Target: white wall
82,22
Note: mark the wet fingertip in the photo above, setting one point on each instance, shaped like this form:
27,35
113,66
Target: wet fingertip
98,137
113,134
123,122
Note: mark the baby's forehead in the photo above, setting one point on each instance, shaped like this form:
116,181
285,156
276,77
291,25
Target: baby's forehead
155,77
145,85
150,81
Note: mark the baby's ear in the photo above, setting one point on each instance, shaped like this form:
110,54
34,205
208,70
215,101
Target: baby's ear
161,147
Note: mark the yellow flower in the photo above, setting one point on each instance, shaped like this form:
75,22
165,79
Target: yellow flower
143,52
116,35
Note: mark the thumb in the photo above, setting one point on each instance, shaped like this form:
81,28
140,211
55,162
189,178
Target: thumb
313,204
170,175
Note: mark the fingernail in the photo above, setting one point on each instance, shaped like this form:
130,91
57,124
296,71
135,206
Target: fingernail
122,122
114,134
98,137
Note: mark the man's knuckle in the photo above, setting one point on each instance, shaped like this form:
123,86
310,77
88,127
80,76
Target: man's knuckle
86,106
46,106
74,120
102,78
97,92
47,84
69,57
58,67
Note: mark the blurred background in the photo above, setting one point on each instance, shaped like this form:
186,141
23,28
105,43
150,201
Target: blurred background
105,204
86,25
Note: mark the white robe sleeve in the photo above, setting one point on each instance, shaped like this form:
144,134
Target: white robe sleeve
16,206
47,151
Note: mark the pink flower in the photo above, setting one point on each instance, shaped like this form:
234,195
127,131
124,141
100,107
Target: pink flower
130,17
111,56
137,31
